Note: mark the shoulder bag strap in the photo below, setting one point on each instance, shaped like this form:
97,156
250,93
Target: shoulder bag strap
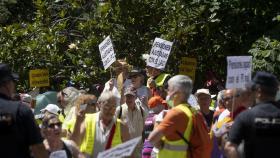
120,114
111,135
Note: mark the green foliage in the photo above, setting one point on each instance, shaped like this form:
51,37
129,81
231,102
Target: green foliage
63,36
266,55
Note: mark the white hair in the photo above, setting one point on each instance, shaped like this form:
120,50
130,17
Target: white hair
106,96
181,83
220,95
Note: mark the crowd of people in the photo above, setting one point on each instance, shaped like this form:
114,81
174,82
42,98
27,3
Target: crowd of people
237,122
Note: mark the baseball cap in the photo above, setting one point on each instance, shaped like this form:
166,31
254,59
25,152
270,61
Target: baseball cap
202,91
264,79
52,108
135,71
130,91
6,73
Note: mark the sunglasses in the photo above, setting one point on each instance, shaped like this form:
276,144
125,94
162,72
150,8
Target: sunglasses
52,125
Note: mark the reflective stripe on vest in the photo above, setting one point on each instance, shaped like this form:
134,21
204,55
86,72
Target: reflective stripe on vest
179,147
88,141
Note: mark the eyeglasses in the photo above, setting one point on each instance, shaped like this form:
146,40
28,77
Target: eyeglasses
52,125
231,97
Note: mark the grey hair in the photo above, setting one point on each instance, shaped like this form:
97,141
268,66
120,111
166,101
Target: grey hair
106,96
181,83
220,95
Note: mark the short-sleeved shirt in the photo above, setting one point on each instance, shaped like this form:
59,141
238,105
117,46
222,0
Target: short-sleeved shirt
259,127
177,120
21,133
134,119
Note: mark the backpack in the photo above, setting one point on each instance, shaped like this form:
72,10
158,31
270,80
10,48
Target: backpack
203,144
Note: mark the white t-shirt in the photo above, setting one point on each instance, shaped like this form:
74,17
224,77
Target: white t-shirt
224,114
101,135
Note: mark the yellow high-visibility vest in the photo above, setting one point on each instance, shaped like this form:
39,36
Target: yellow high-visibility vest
160,79
88,141
178,148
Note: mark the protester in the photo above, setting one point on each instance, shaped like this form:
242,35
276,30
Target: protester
174,138
133,115
259,127
143,93
204,101
157,81
26,98
100,131
66,99
18,130
236,100
156,105
51,129
86,101
220,105
216,151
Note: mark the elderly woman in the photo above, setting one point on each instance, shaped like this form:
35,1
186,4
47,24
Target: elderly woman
86,102
51,130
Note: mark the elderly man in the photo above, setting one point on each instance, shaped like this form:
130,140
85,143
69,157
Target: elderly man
178,131
204,101
18,130
143,93
99,131
133,115
259,127
235,101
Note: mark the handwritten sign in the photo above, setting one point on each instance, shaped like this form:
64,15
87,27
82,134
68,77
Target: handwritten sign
239,70
188,67
39,78
159,53
121,150
107,52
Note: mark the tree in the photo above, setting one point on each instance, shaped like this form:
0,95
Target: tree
64,35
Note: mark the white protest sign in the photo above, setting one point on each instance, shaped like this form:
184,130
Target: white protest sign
58,154
107,52
239,70
121,150
159,53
